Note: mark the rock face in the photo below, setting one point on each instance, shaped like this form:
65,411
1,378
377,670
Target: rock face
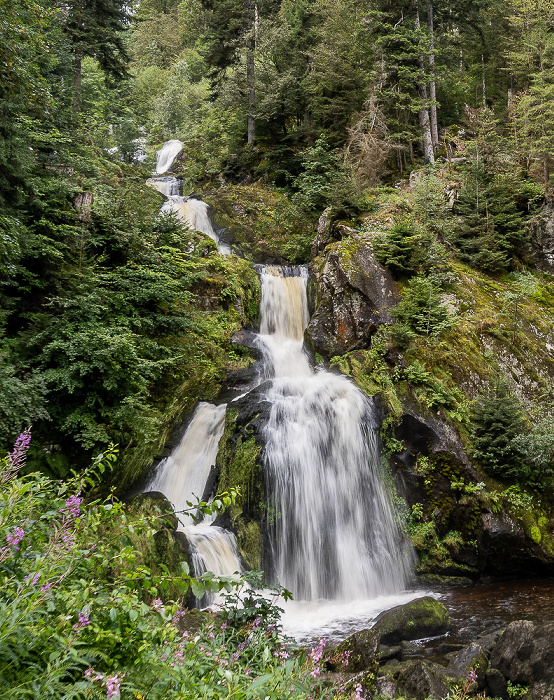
524,655
423,617
542,238
354,295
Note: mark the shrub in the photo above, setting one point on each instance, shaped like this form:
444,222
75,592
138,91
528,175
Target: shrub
80,619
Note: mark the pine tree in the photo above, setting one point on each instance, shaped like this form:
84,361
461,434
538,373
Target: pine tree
95,28
497,422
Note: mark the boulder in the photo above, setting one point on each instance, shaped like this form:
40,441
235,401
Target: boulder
471,658
524,655
154,503
354,295
423,617
505,549
357,653
416,680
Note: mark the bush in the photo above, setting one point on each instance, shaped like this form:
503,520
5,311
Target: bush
79,618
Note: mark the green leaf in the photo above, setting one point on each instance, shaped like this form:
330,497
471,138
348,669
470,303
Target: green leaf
197,588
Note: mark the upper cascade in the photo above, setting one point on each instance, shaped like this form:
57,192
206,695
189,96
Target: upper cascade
334,534
195,212
167,154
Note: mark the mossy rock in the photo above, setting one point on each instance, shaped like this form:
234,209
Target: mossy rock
423,617
154,504
357,653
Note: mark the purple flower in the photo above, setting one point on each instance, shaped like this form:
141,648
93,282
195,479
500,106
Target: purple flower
15,537
112,687
73,505
16,458
83,621
157,604
46,587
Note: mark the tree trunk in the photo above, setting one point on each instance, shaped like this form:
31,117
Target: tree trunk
484,81
250,70
432,83
424,119
77,80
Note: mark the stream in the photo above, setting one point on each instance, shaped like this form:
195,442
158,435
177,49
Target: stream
333,540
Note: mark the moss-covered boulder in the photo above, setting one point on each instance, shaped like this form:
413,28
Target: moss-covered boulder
155,505
240,467
353,296
423,617
416,680
360,652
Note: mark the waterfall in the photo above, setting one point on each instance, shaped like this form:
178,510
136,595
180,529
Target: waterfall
167,154
168,186
333,533
194,212
183,476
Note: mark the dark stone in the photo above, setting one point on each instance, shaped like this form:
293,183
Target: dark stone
423,617
354,295
471,658
524,655
497,684
417,680
357,653
505,550
155,504
410,650
387,653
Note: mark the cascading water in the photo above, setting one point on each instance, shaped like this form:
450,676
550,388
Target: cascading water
167,154
191,210
183,476
333,533
195,213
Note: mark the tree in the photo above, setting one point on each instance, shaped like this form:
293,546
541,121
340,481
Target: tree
95,29
496,423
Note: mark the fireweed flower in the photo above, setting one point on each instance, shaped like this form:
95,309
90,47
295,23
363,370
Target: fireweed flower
112,687
73,505
15,537
16,458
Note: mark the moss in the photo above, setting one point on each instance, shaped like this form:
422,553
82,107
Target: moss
423,617
534,534
240,468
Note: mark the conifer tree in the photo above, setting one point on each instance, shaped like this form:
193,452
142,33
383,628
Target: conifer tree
497,422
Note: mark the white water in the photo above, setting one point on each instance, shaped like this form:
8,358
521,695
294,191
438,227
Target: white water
333,533
168,186
167,154
182,477
194,212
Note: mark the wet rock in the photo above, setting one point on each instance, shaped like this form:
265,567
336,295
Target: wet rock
496,684
387,653
505,549
524,654
354,295
471,658
423,617
416,680
155,504
357,653
410,650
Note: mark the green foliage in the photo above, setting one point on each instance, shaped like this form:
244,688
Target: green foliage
321,180
497,420
421,311
400,249
82,616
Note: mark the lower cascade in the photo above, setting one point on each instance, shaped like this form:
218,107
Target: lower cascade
333,533
183,476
